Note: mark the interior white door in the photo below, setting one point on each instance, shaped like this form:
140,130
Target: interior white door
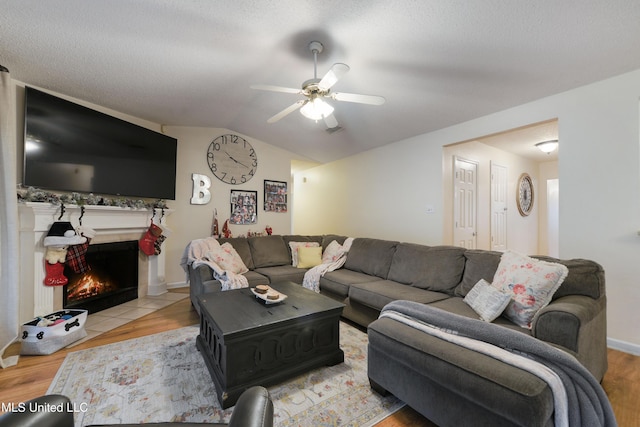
465,190
498,207
553,217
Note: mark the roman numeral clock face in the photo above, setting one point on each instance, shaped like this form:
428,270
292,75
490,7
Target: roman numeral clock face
525,195
232,159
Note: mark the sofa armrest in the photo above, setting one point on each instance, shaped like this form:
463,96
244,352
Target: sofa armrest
578,323
44,411
201,281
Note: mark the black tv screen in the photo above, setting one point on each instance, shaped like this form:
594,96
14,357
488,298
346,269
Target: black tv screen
69,147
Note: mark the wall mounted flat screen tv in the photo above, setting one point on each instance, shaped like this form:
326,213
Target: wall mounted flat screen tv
69,147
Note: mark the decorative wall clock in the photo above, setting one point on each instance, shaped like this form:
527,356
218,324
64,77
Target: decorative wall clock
524,197
232,159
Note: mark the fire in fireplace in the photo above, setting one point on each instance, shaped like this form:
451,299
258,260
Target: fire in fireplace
111,280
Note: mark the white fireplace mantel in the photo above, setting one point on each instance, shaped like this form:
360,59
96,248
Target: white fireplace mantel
111,223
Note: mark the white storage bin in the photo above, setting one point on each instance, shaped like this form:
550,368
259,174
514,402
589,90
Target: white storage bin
42,340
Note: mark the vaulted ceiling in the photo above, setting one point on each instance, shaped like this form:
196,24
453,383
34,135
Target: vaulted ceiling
437,62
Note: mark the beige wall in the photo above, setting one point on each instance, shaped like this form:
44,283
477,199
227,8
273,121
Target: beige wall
192,221
383,192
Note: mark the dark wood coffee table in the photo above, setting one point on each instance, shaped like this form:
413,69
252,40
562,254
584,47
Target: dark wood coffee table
245,342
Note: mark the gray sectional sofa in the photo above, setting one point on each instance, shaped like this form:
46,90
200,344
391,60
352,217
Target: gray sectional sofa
445,382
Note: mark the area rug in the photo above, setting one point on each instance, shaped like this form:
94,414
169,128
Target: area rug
162,377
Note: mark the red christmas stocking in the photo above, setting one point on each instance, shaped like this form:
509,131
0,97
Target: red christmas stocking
54,274
148,241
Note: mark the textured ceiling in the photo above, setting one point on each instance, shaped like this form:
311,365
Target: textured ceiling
437,63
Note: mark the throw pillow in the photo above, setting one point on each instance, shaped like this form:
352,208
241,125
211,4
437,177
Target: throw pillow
333,251
294,250
487,301
530,282
309,256
227,258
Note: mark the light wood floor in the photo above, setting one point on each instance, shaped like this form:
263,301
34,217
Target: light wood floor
33,374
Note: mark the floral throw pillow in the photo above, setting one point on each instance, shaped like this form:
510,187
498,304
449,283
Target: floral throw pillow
530,282
488,302
227,258
294,250
333,252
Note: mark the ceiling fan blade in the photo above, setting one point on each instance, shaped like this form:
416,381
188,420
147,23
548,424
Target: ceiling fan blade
276,88
290,109
333,75
331,121
361,99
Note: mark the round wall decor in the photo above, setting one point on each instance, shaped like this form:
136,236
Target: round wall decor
524,198
232,159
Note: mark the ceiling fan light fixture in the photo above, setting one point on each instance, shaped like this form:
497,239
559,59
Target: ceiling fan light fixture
316,109
547,146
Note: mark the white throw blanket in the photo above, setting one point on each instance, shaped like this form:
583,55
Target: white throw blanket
195,255
312,277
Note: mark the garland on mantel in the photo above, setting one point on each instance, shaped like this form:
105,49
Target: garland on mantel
32,194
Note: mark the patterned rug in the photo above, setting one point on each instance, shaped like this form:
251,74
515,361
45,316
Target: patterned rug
162,377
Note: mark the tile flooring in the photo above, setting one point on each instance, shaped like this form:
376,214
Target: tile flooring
119,315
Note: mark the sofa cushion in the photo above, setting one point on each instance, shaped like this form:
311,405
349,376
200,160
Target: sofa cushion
480,264
241,245
269,251
408,362
254,278
371,256
281,273
339,281
379,293
435,268
531,283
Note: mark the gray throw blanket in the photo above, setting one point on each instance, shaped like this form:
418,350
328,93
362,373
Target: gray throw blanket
587,402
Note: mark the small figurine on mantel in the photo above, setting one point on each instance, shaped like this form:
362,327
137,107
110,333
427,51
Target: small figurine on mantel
269,230
215,232
226,231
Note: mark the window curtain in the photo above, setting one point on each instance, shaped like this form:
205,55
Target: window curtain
9,264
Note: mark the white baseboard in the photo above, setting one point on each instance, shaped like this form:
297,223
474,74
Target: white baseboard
157,289
177,285
623,346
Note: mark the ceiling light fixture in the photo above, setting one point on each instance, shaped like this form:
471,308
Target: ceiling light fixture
548,146
316,109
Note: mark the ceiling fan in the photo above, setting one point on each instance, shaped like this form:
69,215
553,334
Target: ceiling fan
316,90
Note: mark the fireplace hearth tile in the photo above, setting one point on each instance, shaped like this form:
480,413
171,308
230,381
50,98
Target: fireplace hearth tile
146,302
99,323
122,314
136,313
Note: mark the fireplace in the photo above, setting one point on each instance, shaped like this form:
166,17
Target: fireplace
111,224
111,280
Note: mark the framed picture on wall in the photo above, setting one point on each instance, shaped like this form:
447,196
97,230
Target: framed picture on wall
275,196
244,207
